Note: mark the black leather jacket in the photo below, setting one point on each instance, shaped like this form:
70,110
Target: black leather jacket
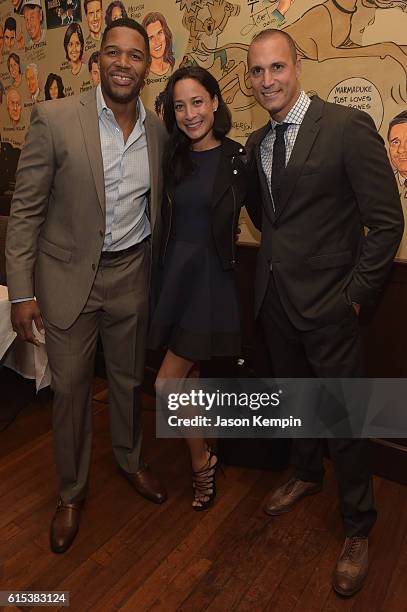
228,197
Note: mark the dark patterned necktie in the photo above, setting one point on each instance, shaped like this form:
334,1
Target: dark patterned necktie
278,166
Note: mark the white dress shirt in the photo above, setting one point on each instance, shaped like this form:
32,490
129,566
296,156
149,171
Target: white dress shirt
127,178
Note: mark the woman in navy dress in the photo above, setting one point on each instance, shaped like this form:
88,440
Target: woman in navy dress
197,313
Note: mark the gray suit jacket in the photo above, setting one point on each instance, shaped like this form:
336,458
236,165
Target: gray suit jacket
57,220
337,182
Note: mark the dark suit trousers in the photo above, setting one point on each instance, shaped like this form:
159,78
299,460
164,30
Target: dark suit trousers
333,351
117,308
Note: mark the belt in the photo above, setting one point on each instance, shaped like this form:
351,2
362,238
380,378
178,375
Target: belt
131,249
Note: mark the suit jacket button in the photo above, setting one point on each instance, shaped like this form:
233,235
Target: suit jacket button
234,171
233,261
93,267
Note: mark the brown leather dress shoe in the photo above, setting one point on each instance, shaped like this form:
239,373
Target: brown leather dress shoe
146,484
351,568
64,525
286,496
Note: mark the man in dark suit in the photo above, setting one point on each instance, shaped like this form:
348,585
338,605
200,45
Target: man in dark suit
84,222
323,175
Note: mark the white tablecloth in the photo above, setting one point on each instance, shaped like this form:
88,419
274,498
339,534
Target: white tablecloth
28,360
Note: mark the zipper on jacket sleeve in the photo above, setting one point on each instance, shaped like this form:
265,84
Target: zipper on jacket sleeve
233,261
169,226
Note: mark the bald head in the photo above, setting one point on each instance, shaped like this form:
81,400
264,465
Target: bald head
270,33
14,105
274,71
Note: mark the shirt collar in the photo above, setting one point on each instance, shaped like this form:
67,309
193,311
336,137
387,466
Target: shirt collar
103,107
296,114
401,179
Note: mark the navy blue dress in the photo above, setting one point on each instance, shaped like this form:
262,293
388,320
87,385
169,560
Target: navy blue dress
197,314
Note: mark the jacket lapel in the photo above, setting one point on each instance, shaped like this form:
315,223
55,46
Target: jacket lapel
229,148
303,144
89,119
220,185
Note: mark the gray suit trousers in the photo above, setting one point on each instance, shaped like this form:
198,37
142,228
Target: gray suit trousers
117,309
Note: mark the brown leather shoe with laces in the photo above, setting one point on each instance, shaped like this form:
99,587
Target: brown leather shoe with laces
286,496
352,566
64,525
146,484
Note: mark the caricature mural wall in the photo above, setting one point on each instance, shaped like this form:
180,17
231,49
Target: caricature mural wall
354,52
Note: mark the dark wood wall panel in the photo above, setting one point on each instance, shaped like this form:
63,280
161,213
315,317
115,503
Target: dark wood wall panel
384,330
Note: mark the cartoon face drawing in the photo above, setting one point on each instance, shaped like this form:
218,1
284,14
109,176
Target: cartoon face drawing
14,106
157,40
33,21
93,10
53,91
74,48
115,10
54,87
398,147
93,66
205,28
161,40
117,13
14,68
31,77
74,45
10,33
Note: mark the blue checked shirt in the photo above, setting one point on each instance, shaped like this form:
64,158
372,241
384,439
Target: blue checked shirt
294,119
127,179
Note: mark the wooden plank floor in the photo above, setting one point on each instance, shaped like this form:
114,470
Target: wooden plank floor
132,555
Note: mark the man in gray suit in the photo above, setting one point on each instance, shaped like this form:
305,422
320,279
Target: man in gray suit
323,175
84,217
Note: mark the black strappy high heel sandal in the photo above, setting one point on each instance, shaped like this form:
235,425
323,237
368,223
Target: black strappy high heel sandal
204,484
